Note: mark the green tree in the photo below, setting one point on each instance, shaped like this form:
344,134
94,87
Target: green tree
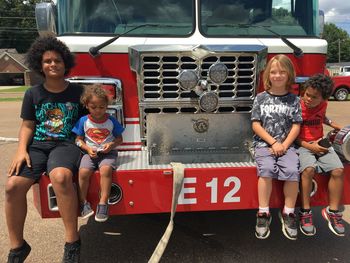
17,24
338,43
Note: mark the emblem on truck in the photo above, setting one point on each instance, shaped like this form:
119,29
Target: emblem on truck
200,125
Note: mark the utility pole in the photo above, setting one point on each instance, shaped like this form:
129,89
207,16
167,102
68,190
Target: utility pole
339,50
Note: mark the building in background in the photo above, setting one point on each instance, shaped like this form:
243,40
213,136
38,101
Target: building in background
13,71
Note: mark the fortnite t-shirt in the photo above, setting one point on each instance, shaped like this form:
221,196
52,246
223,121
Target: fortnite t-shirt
54,113
277,114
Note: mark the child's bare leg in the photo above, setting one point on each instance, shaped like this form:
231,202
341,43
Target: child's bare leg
264,191
84,181
290,190
335,188
306,187
105,183
16,207
61,179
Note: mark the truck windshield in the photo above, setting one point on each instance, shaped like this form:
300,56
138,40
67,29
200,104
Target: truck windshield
236,18
167,17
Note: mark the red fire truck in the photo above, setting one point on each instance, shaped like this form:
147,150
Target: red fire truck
183,75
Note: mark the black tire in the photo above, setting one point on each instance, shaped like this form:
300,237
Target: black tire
341,94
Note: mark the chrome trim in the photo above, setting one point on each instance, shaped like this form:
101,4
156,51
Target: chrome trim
45,18
300,80
117,106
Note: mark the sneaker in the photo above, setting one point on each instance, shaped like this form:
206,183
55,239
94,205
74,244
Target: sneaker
86,211
289,225
335,221
262,228
305,223
18,255
101,213
72,252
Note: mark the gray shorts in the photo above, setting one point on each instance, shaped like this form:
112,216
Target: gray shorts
102,159
283,168
322,164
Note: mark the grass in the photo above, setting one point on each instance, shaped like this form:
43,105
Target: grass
19,89
11,99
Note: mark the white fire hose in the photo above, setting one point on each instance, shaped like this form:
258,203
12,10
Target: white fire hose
178,176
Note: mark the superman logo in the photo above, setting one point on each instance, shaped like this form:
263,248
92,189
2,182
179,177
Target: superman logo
97,135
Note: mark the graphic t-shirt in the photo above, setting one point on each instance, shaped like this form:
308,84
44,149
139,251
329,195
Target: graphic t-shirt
277,114
54,113
96,134
313,118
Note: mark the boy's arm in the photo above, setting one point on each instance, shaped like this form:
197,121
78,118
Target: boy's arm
276,147
262,133
111,145
25,136
79,141
332,124
313,147
293,134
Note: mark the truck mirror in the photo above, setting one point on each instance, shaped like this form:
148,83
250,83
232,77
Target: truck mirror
321,21
45,18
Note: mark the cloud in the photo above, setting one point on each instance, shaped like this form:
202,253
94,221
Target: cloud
336,11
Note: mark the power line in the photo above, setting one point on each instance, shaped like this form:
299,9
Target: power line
17,17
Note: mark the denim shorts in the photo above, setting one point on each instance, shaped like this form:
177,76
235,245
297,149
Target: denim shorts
284,168
322,164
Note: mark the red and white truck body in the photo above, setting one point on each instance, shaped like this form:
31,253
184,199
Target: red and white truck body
183,75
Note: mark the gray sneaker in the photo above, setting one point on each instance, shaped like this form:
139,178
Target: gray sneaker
335,221
101,213
86,211
305,223
262,228
289,225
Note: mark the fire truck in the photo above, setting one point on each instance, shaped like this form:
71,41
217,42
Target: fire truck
183,75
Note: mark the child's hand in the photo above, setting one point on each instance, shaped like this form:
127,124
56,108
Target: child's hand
107,147
17,162
278,149
92,152
317,149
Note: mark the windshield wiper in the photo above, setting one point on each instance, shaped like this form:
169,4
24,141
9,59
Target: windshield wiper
297,51
94,51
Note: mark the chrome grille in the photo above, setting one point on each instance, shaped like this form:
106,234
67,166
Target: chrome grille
159,76
158,69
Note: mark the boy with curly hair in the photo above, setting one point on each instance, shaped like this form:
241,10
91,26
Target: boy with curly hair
98,133
46,144
316,156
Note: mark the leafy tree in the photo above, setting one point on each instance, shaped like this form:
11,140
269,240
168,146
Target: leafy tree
338,42
17,24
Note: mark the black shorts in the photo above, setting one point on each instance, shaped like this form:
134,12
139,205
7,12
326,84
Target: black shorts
48,155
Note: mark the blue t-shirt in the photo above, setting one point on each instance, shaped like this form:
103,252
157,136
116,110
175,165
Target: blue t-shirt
277,114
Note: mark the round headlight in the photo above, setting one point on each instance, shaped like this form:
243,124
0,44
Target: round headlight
218,73
208,101
188,79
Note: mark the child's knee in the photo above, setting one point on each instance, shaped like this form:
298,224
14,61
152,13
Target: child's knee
308,173
337,173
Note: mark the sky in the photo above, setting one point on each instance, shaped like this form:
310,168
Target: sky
337,12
